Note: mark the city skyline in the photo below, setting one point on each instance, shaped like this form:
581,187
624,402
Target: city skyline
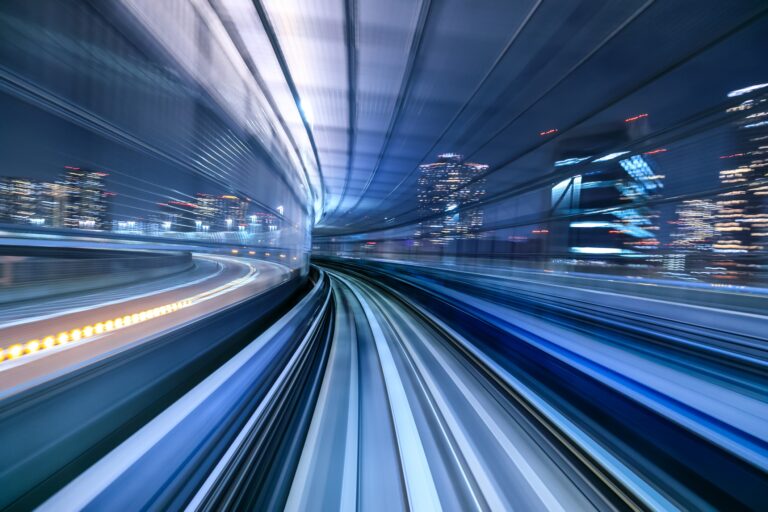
79,199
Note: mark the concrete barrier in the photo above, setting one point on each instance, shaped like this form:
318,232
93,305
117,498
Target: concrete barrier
28,273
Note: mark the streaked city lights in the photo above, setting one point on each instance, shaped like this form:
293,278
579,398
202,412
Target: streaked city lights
571,161
324,255
635,118
746,90
597,250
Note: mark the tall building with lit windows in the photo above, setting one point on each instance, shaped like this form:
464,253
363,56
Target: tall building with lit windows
692,236
604,208
444,191
87,202
233,211
742,219
694,228
19,199
53,204
223,213
260,222
30,201
178,216
599,208
208,207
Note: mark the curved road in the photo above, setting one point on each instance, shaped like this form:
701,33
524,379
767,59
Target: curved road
218,282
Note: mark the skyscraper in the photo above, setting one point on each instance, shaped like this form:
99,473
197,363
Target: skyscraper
86,201
443,190
53,203
30,201
207,211
743,212
19,199
233,212
606,208
260,222
692,236
179,216
742,218
694,227
599,205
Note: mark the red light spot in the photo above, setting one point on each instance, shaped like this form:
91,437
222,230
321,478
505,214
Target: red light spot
655,151
635,118
733,155
548,132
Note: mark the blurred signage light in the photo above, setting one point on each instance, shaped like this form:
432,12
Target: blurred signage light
635,118
571,161
610,156
597,250
592,224
746,90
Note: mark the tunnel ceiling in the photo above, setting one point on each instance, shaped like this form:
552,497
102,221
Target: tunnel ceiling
379,87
